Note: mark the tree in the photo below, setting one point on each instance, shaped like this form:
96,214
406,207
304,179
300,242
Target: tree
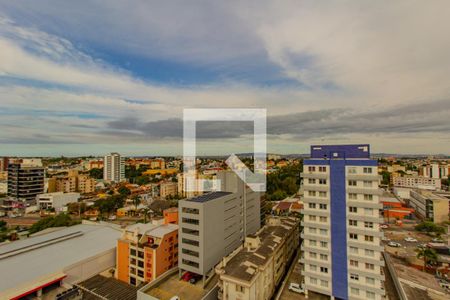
428,255
428,227
123,190
386,178
136,201
96,173
52,221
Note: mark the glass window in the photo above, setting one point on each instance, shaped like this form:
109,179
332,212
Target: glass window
354,277
353,196
367,170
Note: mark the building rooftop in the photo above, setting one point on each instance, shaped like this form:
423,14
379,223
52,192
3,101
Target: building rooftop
208,197
434,194
26,261
340,151
109,288
244,264
162,230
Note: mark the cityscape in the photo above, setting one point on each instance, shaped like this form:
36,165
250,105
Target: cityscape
264,150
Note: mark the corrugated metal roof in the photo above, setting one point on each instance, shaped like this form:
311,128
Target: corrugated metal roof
51,253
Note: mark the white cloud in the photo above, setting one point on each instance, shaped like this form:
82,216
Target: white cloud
361,55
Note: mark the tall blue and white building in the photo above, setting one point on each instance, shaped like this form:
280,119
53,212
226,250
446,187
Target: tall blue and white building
342,236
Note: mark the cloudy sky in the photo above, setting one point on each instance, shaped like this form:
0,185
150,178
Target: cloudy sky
89,77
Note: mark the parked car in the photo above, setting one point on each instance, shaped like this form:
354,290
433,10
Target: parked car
296,288
437,240
422,246
410,239
384,226
394,244
190,277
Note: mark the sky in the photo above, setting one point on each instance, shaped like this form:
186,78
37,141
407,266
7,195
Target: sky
91,77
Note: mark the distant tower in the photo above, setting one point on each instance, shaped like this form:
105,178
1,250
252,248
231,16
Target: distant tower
113,168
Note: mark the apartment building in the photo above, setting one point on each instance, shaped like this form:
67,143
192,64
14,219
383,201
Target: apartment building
181,189
71,183
430,205
214,224
168,189
342,238
113,168
4,164
57,200
145,251
25,179
435,170
417,182
255,269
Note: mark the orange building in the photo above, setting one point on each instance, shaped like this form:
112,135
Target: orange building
171,215
145,251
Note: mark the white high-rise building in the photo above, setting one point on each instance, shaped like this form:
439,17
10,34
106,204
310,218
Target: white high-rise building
113,168
342,251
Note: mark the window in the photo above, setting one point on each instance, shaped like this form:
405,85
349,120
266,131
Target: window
352,196
353,236
312,205
368,238
370,295
312,218
352,183
324,283
353,250
313,280
368,211
323,244
312,230
370,266
322,169
311,181
353,263
313,268
353,209
368,197
367,170
312,242
352,223
240,288
322,181
369,252
368,224
354,277
367,183
323,231
370,280
323,257
323,219
323,270
354,291
190,221
323,206
313,254
312,193
351,170
311,169
323,194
